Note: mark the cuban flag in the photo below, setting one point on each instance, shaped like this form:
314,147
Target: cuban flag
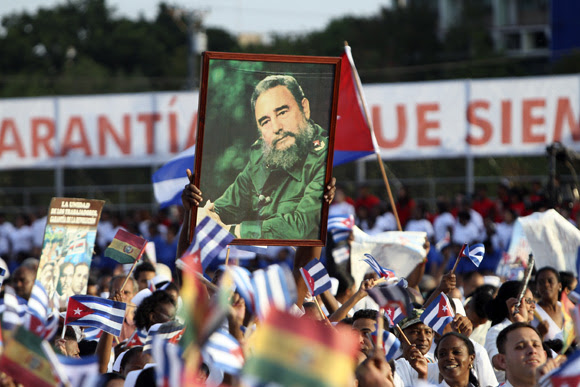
169,180
340,226
568,374
381,271
138,338
392,296
210,238
390,343
438,314
168,362
225,352
243,280
354,138
78,371
2,274
12,309
97,312
316,277
93,334
170,331
274,288
475,253
394,314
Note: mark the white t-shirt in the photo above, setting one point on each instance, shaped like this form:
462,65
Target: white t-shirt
420,225
441,225
491,346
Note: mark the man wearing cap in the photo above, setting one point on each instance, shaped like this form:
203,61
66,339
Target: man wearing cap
416,356
278,195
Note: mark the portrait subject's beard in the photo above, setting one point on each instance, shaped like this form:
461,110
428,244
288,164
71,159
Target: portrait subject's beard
287,158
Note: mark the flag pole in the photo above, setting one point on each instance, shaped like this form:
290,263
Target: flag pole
227,255
403,335
458,258
372,130
131,271
321,312
380,329
63,331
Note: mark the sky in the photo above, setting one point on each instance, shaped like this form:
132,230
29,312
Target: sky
237,16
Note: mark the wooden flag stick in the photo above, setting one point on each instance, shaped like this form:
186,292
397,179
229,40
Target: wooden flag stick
380,329
131,271
403,335
374,140
321,312
459,257
227,255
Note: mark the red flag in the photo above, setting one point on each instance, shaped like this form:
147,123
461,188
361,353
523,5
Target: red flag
353,136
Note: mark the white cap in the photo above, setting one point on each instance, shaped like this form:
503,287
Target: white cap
163,270
139,297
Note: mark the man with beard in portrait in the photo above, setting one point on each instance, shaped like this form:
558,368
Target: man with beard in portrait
278,195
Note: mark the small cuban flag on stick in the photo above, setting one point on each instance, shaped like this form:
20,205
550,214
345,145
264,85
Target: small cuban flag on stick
384,274
394,314
438,314
316,277
474,253
317,281
340,226
97,312
390,343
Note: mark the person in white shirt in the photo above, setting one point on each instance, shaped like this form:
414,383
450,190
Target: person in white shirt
503,231
5,229
418,222
501,311
339,205
444,222
464,230
522,355
21,239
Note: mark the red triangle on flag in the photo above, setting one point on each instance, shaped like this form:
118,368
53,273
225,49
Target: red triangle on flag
444,308
76,310
352,130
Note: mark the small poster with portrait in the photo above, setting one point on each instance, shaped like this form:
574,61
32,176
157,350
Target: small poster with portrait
265,144
67,250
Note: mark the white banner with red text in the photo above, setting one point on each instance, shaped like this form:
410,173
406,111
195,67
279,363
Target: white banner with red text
489,117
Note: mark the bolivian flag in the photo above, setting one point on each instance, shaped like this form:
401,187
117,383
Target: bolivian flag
24,360
125,247
300,352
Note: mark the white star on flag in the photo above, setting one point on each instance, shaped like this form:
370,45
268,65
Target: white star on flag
444,308
77,311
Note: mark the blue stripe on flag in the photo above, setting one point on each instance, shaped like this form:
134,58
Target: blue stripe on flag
169,180
242,279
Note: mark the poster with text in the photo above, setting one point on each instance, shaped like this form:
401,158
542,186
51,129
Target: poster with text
67,250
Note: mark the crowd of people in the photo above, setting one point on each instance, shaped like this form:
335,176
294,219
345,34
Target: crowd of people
492,340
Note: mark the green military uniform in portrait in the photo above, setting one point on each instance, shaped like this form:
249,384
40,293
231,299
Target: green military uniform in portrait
275,203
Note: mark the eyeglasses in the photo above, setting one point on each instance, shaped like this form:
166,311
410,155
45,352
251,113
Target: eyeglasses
530,301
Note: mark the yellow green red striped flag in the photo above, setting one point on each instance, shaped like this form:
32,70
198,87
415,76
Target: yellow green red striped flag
24,360
300,352
125,247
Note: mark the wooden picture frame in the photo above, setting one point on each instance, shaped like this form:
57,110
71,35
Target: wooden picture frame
265,144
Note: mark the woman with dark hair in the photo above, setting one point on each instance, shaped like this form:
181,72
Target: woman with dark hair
501,312
455,357
549,309
155,309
